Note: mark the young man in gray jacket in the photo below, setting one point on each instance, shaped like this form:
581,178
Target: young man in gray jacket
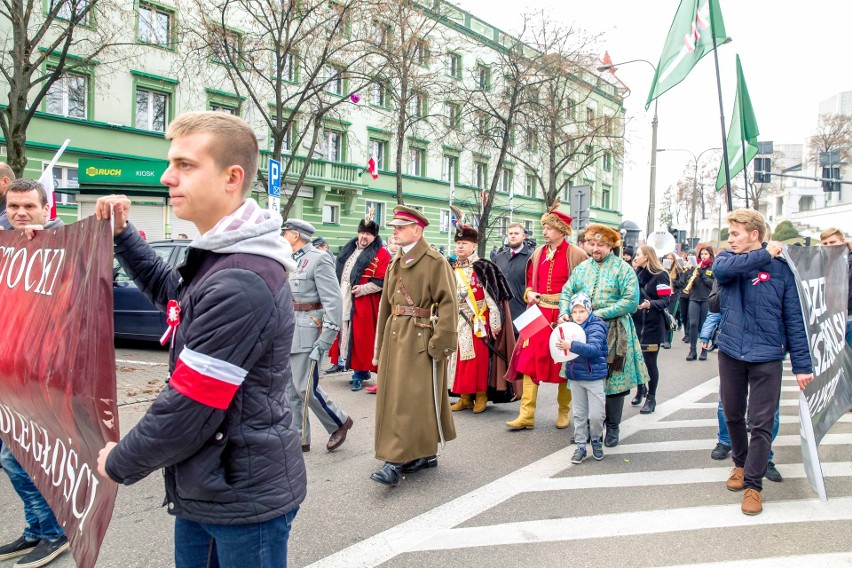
221,428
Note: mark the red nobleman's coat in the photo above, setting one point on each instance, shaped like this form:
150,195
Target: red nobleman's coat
365,316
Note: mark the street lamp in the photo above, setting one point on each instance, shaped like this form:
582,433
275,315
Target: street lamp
652,192
696,159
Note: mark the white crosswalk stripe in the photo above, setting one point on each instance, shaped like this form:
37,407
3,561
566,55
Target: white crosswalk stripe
441,528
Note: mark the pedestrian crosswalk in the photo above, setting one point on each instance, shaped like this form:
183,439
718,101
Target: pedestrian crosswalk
677,435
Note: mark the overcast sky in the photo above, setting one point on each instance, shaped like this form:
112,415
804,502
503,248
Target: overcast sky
794,55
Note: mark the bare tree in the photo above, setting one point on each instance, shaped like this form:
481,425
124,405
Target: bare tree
297,63
47,43
833,134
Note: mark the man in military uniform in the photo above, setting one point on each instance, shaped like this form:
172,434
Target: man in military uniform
547,271
317,304
416,335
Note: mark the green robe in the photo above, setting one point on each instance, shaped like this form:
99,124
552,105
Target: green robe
614,289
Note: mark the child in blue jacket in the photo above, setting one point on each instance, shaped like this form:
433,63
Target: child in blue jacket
587,374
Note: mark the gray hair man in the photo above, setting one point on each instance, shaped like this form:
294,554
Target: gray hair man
318,306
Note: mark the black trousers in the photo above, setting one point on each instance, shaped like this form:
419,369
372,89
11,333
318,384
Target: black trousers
683,310
697,315
756,386
653,371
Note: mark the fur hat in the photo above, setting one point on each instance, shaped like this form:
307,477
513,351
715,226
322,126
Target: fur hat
368,226
466,233
557,219
601,233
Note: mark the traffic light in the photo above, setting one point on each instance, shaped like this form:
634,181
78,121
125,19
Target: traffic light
674,232
832,173
762,169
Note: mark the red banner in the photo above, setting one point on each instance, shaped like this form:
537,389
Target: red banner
57,372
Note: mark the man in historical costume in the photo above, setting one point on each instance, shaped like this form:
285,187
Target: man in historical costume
483,296
613,287
317,303
361,268
512,261
416,336
547,271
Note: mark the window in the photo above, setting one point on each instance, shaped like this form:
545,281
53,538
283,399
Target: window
572,109
288,67
378,94
331,214
606,196
333,80
480,170
416,105
483,78
528,227
531,185
416,161
68,96
507,178
380,33
421,53
502,226
332,147
155,25
452,116
152,109
227,109
454,65
531,139
286,143
445,221
64,177
226,45
607,162
378,208
590,115
451,168
70,9
378,150
482,124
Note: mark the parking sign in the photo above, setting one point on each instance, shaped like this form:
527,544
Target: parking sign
274,171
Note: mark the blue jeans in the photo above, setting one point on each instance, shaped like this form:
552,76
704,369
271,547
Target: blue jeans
849,333
361,375
258,545
41,524
725,438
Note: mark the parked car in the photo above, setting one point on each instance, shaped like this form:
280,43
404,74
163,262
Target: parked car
135,316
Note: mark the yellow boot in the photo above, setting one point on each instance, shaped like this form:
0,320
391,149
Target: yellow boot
563,398
481,401
465,401
526,417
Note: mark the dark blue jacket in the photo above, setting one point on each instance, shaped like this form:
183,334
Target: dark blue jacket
591,363
760,322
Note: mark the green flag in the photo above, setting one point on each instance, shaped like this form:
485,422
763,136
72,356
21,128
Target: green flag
743,129
688,41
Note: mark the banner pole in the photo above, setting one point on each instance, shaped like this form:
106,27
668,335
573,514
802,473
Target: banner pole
721,113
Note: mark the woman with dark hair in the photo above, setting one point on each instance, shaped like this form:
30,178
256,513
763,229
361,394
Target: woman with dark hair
700,284
655,292
672,266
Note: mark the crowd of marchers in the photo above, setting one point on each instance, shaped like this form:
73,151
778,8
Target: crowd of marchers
263,304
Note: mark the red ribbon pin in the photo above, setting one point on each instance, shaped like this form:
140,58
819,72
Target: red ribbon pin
761,277
173,319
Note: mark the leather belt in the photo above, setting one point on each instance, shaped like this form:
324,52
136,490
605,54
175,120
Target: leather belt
410,311
307,307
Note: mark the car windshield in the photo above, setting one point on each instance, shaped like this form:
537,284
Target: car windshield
119,275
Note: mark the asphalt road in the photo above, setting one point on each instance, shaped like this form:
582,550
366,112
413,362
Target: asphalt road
502,498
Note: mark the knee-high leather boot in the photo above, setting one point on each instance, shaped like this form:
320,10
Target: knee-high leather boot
526,417
614,409
563,398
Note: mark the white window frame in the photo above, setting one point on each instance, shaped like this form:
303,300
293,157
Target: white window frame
378,149
64,88
503,180
333,145
148,31
480,177
379,211
334,209
450,162
150,114
416,161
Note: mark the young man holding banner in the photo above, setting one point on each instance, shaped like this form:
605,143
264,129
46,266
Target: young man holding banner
761,321
221,428
834,236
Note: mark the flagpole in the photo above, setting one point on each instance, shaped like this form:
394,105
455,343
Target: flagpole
743,145
450,214
721,113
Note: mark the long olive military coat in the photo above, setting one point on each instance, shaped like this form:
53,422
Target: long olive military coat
406,424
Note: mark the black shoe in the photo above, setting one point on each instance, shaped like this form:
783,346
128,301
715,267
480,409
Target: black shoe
389,474
692,355
611,439
666,345
336,368
641,391
306,448
703,356
420,463
720,452
686,339
17,548
773,474
650,405
44,553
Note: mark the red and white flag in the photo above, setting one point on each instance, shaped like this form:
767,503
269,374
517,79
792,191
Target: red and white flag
46,179
530,322
664,290
371,167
